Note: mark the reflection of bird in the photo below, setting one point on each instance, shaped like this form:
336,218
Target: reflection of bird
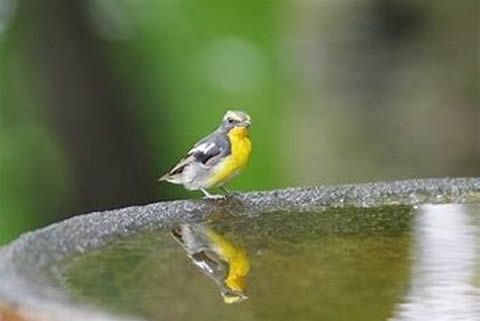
217,158
218,258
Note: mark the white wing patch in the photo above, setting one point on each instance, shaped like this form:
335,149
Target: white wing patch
203,265
202,148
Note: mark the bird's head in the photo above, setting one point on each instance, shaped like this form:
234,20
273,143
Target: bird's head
234,119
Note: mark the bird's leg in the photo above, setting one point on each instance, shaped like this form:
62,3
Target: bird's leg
212,196
229,192
225,190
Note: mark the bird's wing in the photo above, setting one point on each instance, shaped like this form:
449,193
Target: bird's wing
207,151
198,250
211,265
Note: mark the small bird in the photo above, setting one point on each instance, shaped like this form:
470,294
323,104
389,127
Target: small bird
217,257
216,159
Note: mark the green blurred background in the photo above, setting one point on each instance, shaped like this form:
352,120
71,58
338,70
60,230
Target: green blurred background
100,97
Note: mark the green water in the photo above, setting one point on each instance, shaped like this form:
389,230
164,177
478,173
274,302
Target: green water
350,264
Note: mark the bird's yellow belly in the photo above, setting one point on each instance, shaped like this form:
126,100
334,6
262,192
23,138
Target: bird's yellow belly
236,162
236,257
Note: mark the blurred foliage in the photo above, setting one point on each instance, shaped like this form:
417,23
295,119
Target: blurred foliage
33,170
100,97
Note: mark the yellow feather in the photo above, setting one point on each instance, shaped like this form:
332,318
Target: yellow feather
236,162
236,257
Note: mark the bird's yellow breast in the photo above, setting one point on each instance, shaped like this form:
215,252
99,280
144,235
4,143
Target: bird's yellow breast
236,258
237,160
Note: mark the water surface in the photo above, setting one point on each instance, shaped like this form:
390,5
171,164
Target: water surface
390,263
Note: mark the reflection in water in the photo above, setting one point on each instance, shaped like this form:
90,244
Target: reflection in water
341,264
222,261
444,269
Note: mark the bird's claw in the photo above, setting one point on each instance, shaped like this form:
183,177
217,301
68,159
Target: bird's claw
215,197
229,193
233,194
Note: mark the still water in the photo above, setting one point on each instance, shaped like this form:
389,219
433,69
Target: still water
390,263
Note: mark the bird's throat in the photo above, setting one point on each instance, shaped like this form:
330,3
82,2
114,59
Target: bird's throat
238,133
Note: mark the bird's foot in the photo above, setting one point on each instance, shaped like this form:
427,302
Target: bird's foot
233,194
229,192
213,196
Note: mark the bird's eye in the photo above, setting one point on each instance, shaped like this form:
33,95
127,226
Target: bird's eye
230,120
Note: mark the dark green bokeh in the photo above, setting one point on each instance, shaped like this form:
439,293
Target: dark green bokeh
98,98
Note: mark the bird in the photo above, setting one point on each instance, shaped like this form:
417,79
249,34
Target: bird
216,159
217,257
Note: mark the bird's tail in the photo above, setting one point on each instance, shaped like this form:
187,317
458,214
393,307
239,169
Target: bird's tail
171,178
164,178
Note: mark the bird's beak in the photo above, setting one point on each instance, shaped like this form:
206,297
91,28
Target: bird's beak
245,123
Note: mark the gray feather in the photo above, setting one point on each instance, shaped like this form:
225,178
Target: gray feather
205,153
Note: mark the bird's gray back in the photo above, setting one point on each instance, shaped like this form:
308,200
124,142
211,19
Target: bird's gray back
217,141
